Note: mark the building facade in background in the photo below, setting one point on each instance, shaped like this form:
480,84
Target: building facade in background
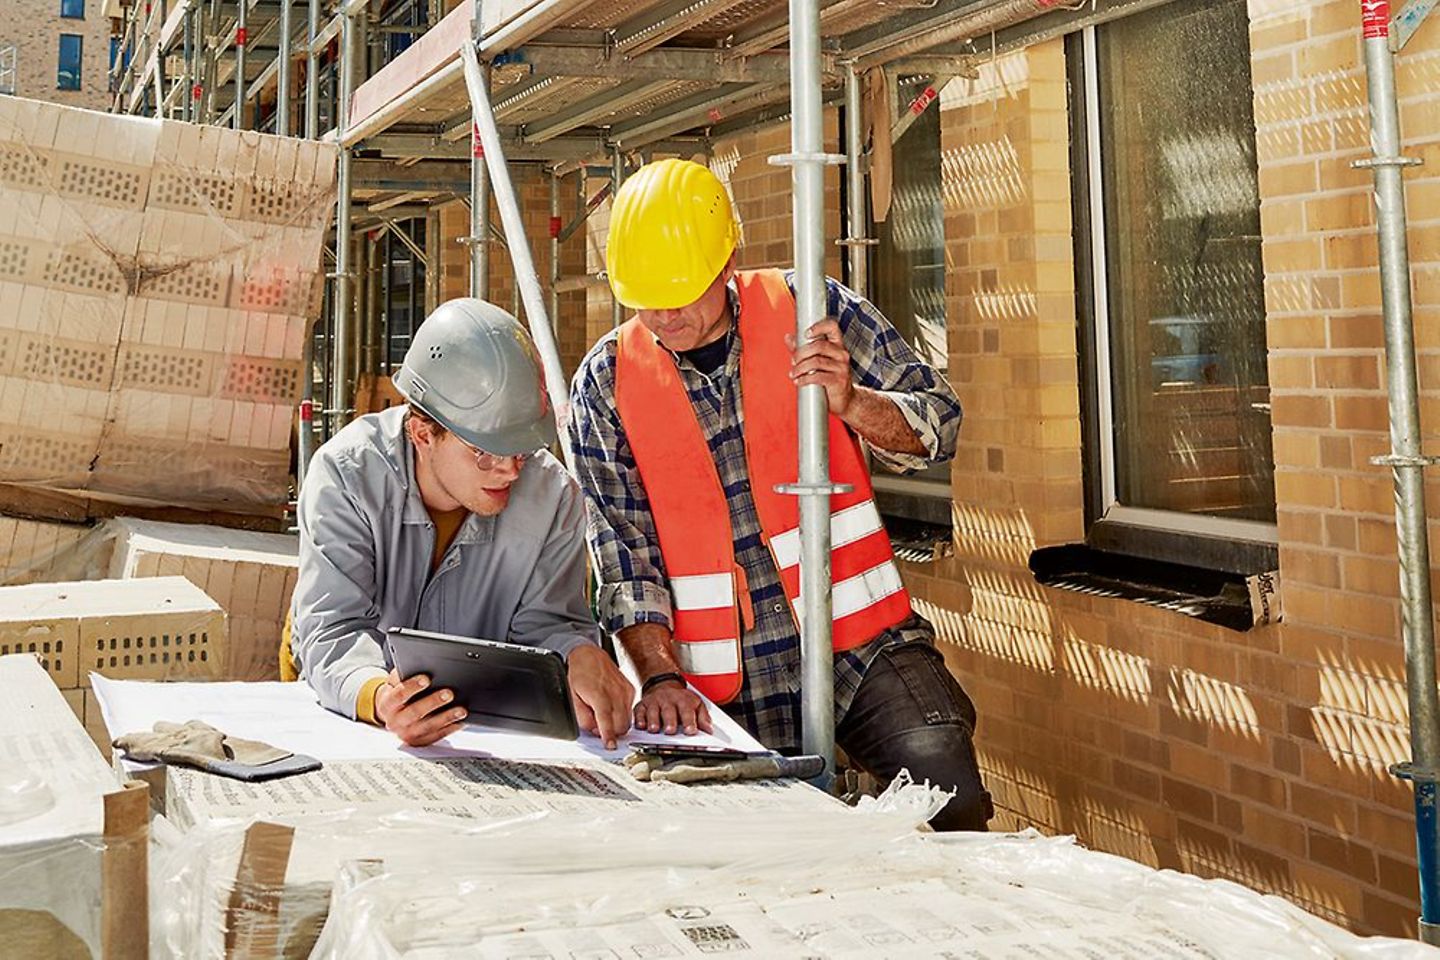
56,50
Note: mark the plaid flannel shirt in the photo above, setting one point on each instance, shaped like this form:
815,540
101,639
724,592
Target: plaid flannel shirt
622,532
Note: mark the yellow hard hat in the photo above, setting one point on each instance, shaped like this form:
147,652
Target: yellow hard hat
671,232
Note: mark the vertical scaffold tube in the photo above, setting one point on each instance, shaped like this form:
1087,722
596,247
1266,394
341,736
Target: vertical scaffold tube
341,334
554,234
807,164
282,73
242,38
1405,458
479,208
856,227
312,74
617,177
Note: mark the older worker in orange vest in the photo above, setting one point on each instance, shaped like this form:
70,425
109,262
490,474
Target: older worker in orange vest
684,421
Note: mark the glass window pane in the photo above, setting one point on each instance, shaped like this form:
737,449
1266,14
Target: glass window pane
1183,271
72,8
908,279
68,77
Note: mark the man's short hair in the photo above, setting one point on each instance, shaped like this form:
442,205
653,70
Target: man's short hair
436,427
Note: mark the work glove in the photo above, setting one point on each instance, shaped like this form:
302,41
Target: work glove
648,766
196,744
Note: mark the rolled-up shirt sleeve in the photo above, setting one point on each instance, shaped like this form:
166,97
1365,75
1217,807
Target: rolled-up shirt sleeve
621,532
553,612
884,362
335,635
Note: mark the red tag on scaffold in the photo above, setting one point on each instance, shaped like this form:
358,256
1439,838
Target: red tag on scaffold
715,115
240,36
1376,17
195,92
477,146
307,411
554,227
927,97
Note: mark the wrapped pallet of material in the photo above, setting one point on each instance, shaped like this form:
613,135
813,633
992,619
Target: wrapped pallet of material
36,551
73,839
261,886
251,575
157,629
157,283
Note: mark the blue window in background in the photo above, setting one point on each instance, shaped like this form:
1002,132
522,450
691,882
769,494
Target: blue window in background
68,74
72,9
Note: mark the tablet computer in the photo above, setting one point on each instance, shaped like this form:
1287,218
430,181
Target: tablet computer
503,685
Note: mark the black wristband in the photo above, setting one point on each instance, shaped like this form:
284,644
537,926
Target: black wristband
658,679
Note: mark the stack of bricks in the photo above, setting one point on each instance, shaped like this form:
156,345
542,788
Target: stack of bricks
161,629
250,575
157,281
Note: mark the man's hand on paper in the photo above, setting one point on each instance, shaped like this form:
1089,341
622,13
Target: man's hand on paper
417,720
601,693
672,706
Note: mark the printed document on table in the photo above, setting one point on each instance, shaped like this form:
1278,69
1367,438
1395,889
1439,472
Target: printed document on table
288,716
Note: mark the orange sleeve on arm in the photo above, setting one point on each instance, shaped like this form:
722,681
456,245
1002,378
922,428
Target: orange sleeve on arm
365,703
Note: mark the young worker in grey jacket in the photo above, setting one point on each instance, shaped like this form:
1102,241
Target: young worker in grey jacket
447,514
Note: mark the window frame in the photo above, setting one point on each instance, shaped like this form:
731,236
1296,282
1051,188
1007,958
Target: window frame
64,4
924,497
1222,543
79,61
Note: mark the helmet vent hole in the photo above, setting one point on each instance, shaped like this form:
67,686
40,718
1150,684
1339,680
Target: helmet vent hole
435,353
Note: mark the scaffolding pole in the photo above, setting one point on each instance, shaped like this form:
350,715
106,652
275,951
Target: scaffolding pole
312,74
1405,458
856,225
433,264
617,177
242,37
340,336
479,239
807,161
187,74
282,73
526,279
554,232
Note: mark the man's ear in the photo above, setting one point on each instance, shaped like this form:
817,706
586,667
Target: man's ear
420,433
728,273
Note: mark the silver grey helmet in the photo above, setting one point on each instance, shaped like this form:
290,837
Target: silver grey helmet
472,368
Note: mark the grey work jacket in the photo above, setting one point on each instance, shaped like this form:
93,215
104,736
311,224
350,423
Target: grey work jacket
366,544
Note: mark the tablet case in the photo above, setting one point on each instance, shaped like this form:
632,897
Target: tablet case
502,685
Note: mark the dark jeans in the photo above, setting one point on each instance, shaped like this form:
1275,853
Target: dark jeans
911,713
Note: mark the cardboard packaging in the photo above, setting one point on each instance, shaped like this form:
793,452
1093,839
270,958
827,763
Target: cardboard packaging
250,575
74,844
156,629
32,551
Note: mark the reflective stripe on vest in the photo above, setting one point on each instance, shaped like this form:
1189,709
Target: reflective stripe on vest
692,518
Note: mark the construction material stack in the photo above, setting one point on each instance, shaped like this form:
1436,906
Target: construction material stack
157,629
250,575
157,282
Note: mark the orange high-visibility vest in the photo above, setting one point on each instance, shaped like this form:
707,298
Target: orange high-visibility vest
708,591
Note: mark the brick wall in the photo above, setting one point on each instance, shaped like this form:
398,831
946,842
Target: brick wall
1255,756
34,27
